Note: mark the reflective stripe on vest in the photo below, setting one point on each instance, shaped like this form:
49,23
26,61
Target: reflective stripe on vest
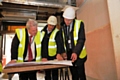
22,37
76,30
52,48
0,67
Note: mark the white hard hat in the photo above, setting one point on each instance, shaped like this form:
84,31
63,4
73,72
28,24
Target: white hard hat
52,20
69,13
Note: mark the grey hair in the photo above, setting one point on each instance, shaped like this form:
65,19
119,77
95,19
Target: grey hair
31,22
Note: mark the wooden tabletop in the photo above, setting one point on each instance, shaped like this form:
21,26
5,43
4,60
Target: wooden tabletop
31,67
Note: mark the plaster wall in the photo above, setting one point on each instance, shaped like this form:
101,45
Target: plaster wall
101,38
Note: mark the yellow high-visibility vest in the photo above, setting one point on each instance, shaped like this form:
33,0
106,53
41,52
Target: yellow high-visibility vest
75,34
52,47
76,30
0,67
21,34
38,39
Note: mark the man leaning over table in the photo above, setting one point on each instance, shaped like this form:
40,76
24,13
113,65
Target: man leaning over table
51,46
25,47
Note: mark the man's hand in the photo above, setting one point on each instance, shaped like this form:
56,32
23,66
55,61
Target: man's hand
64,55
59,57
12,61
44,59
74,57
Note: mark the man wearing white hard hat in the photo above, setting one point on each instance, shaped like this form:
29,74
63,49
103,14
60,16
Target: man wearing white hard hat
74,39
51,46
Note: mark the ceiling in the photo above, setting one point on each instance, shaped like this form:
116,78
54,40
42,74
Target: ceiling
21,11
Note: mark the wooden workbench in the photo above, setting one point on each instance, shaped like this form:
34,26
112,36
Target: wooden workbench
30,66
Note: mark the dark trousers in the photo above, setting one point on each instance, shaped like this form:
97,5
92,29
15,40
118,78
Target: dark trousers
78,68
51,74
31,75
78,72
